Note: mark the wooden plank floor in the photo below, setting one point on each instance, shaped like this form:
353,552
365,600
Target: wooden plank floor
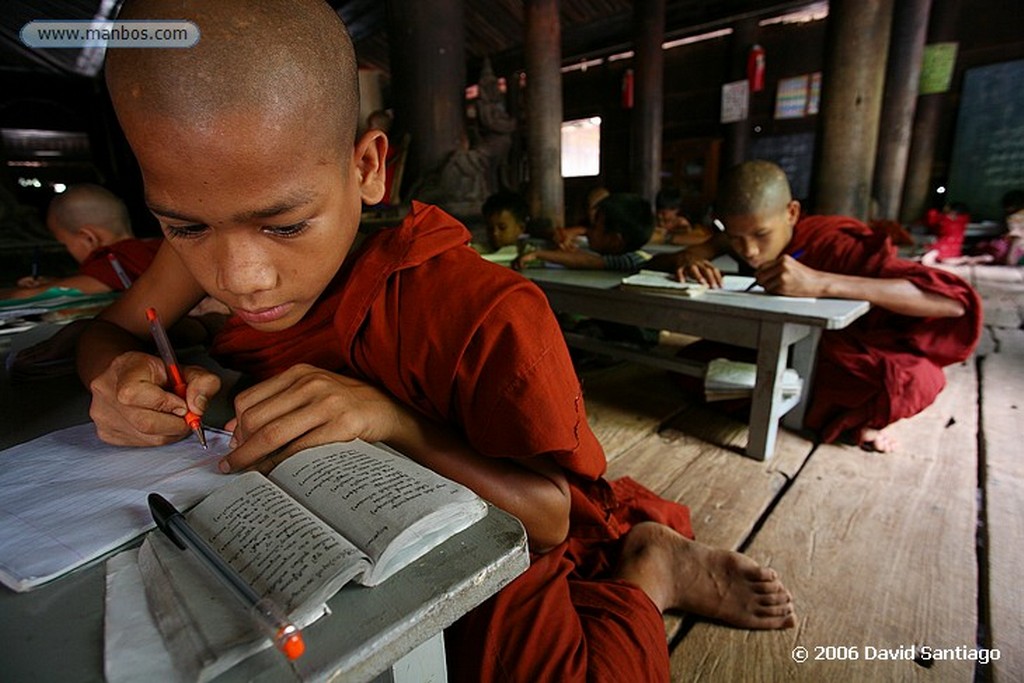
918,548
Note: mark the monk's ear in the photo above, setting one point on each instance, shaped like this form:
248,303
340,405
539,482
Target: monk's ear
793,212
368,159
91,236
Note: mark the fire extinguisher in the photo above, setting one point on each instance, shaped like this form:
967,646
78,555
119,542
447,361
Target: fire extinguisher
755,68
627,89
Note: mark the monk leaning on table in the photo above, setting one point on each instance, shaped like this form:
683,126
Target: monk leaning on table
888,364
93,224
250,162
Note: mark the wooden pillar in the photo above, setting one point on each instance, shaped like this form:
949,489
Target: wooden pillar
546,193
851,103
737,135
927,119
648,114
909,28
428,78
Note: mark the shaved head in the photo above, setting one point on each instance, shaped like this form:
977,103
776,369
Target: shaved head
753,187
289,66
89,205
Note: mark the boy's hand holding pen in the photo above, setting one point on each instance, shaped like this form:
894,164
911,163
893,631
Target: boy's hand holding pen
174,374
786,276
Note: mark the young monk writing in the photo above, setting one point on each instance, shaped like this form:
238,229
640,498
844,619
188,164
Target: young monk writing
888,364
251,165
93,224
622,225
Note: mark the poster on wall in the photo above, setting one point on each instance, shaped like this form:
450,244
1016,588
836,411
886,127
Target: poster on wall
735,101
937,64
791,97
814,94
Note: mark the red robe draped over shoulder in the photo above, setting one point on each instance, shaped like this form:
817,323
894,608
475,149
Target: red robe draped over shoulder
134,255
885,366
472,344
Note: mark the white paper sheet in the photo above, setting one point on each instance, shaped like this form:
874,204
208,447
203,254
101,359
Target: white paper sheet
67,498
133,648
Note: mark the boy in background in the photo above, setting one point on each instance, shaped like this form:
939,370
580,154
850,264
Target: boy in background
887,365
672,227
506,215
93,224
622,225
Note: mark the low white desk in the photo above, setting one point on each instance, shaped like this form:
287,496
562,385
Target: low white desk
392,632
772,325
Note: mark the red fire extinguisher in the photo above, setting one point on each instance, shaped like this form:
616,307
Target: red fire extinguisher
755,68
627,89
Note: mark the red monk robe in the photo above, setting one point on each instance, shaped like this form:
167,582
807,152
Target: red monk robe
885,366
473,344
134,255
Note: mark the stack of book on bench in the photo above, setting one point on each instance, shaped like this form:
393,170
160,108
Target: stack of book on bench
728,379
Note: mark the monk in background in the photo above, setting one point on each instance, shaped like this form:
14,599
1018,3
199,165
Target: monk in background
888,364
93,224
252,165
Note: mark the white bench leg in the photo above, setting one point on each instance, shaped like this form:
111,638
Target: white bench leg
425,664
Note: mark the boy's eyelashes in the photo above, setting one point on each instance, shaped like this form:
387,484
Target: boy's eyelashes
197,230
287,230
184,231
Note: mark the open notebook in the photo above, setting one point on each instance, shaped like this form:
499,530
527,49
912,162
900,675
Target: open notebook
652,280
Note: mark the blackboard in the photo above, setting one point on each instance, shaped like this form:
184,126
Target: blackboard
988,150
793,153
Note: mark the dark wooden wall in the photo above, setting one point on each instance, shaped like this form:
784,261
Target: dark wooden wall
694,74
693,77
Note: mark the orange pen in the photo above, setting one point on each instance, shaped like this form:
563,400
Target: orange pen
163,344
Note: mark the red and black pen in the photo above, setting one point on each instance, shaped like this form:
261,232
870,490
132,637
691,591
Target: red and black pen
163,344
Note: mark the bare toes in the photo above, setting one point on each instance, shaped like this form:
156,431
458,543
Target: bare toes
760,574
780,598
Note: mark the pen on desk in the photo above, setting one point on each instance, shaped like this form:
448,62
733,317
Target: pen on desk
264,611
795,256
163,344
119,271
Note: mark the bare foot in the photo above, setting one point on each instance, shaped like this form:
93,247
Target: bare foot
877,441
681,574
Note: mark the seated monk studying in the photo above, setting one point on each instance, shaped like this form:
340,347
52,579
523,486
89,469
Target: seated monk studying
93,224
251,163
885,366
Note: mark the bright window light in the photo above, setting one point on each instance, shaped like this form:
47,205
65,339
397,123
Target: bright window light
581,147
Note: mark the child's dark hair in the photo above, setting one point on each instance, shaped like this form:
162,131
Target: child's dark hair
628,215
1013,201
668,198
507,201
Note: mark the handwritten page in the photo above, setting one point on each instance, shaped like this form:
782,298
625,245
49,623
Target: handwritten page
67,498
280,548
384,503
